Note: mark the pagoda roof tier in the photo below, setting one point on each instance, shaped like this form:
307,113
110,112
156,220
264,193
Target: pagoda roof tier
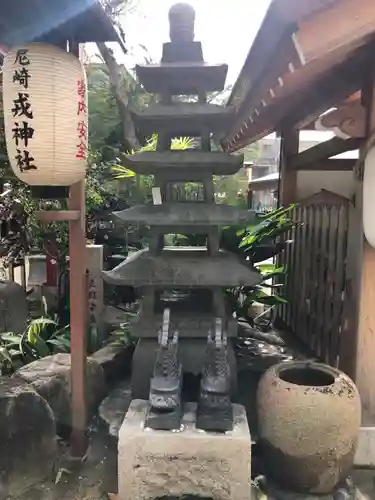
186,214
182,78
183,267
192,162
189,119
188,325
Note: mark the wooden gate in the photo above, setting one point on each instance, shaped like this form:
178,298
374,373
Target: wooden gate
316,263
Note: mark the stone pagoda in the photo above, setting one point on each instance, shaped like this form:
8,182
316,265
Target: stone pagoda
184,322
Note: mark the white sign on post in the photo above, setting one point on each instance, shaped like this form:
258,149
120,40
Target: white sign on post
156,196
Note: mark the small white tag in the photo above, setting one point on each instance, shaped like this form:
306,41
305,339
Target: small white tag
156,196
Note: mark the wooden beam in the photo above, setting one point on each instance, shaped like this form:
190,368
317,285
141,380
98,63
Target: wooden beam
274,49
323,151
322,45
57,215
333,88
250,92
328,165
294,81
306,104
286,76
288,177
322,34
262,50
350,100
295,10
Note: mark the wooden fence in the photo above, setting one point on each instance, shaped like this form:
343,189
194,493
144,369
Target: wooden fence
316,262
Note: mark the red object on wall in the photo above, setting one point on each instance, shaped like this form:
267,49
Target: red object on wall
51,271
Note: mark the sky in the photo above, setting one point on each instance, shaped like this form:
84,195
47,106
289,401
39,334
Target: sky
226,29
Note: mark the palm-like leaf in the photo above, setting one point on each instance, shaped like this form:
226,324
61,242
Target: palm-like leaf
36,327
178,143
258,243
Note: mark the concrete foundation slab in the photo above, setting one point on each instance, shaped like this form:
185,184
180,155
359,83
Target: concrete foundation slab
365,455
153,464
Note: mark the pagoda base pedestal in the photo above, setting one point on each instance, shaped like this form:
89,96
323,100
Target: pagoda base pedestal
163,420
192,354
215,419
153,463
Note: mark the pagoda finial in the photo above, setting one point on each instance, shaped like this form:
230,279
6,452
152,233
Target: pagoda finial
181,20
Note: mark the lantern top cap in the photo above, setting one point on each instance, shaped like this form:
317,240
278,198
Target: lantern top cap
181,20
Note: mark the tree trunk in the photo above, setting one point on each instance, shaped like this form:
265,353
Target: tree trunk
120,94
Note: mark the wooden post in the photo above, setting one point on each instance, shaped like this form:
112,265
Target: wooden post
363,288
78,318
287,189
288,177
78,309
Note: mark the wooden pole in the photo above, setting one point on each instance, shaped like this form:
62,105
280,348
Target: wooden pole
288,177
78,311
78,317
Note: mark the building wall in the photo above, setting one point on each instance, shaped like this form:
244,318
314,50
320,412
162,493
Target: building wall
309,183
263,201
264,156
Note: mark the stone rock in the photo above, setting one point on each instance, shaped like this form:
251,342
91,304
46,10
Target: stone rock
114,407
184,497
50,377
28,441
272,337
154,464
13,307
258,355
115,361
275,494
345,492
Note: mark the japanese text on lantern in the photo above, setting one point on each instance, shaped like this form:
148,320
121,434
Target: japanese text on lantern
81,124
23,131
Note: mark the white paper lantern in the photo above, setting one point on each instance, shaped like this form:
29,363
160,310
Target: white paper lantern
369,197
45,115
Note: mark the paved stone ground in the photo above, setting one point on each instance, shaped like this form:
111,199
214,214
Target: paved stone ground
91,479
96,477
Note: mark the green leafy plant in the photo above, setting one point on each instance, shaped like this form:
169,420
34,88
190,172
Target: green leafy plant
122,335
14,234
42,337
178,143
257,244
260,242
35,342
